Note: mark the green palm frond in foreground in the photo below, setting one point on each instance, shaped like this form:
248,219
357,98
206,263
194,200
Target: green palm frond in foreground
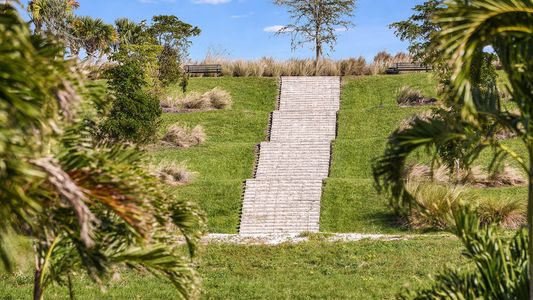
468,27
86,204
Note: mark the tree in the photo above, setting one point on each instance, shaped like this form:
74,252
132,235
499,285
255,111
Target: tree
86,204
169,31
94,35
420,31
173,35
467,28
317,22
131,33
51,15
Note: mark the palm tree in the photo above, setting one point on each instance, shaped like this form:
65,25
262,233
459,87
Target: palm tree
94,35
467,28
86,204
50,13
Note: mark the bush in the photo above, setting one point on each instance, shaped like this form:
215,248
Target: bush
169,66
195,101
185,137
176,174
218,98
434,205
509,213
135,113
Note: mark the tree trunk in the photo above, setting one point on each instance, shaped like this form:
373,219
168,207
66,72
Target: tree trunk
317,56
70,288
37,289
530,220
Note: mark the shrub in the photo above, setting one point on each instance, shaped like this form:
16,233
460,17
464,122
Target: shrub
407,95
218,98
185,137
509,213
135,113
195,101
434,205
176,174
169,66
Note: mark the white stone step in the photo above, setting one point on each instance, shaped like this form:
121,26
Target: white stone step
295,125
285,195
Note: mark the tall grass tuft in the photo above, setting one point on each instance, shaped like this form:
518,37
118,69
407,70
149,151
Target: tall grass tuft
509,213
185,137
270,67
174,174
218,98
434,205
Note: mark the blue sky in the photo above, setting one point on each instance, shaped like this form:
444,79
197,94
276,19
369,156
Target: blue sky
240,28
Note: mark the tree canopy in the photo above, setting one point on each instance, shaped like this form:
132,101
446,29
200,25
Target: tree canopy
317,22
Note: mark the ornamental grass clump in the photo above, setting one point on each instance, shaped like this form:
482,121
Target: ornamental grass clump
409,96
195,101
218,98
434,205
508,213
176,174
185,137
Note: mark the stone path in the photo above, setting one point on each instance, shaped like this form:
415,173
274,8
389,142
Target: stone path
284,196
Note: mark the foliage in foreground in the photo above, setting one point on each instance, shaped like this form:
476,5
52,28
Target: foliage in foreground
85,204
498,269
467,28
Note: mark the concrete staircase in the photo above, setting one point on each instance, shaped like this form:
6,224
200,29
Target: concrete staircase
284,196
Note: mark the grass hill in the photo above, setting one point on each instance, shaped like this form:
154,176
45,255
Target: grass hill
316,269
368,114
227,158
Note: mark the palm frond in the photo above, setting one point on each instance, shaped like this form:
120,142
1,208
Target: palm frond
469,26
500,265
389,169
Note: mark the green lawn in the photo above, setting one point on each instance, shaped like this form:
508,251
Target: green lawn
367,116
227,157
312,270
318,270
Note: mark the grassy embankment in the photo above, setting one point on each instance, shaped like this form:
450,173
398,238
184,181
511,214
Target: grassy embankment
227,157
359,270
368,114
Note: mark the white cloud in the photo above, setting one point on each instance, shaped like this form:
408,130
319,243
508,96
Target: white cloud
243,16
213,2
273,28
